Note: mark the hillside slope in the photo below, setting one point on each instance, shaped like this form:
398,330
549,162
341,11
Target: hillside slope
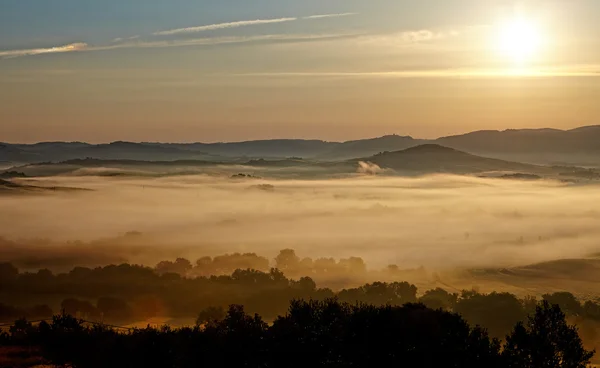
431,158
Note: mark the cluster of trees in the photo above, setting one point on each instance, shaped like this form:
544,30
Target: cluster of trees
326,333
128,293
219,265
114,310
352,268
498,312
11,313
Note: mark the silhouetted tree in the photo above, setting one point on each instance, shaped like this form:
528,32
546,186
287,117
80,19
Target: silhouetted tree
305,284
566,301
439,299
287,261
20,329
529,304
210,315
591,310
313,333
354,265
8,272
546,340
181,266
381,293
81,308
497,312
333,334
115,309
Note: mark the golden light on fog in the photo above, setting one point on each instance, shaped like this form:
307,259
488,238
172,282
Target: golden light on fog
519,40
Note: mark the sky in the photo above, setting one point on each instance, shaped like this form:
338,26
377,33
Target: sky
232,70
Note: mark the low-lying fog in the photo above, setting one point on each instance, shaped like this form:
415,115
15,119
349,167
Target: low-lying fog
435,221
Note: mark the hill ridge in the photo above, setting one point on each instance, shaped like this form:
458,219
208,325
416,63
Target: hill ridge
578,146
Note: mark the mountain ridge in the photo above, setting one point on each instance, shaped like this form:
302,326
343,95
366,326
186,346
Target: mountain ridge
428,158
577,146
583,127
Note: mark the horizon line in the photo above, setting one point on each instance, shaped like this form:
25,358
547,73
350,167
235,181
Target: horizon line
297,139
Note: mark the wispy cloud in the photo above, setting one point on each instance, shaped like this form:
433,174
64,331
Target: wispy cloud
319,16
50,50
128,42
121,39
559,71
421,35
244,23
206,41
209,41
212,27
406,38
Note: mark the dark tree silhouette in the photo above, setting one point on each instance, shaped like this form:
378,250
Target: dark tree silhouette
333,334
8,272
210,316
439,299
114,309
287,261
497,312
313,333
546,340
567,302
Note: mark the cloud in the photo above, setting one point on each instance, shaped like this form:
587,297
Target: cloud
212,27
319,16
368,168
121,39
126,42
209,41
244,23
562,71
409,37
421,35
66,48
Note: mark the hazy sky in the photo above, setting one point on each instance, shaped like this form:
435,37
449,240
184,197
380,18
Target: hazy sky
200,70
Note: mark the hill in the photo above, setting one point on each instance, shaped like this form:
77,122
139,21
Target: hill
546,146
12,187
431,158
419,160
368,147
63,151
539,146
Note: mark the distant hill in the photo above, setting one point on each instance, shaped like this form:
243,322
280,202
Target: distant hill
431,158
419,160
541,146
274,148
579,146
12,153
7,184
11,187
63,151
368,147
577,273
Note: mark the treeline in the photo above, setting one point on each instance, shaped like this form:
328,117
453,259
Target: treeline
129,293
325,333
10,313
324,268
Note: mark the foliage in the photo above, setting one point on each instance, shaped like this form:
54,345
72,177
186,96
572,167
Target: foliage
546,340
326,333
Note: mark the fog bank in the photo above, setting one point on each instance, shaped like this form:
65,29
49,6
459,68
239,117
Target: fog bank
437,221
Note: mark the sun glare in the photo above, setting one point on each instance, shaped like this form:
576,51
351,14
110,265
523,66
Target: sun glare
519,40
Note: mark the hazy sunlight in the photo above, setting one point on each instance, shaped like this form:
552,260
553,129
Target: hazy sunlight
519,40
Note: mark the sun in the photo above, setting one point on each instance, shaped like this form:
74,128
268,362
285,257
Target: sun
519,40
